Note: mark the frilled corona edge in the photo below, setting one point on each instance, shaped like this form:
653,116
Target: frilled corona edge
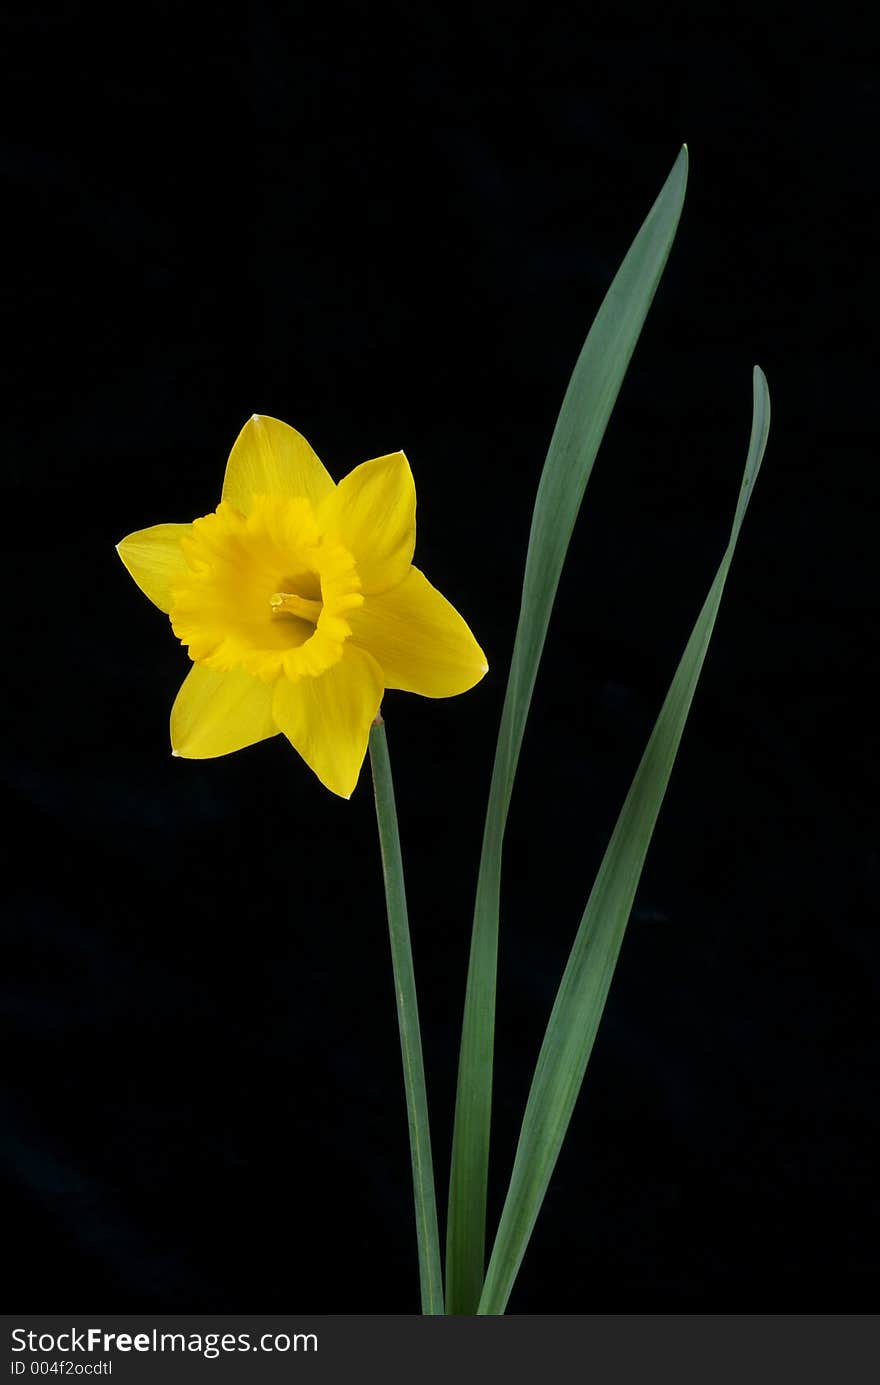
299,604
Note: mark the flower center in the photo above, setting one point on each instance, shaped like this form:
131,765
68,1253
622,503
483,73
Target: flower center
266,592
289,604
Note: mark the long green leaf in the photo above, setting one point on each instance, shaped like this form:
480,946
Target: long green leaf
581,997
585,411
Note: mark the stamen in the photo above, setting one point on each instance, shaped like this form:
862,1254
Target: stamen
289,604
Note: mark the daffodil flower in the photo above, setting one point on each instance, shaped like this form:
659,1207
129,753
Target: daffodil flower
299,605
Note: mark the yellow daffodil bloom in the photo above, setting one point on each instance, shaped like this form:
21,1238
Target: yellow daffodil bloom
299,605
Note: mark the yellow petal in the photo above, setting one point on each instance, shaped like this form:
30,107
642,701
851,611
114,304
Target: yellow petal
419,640
155,560
271,458
327,719
373,513
216,713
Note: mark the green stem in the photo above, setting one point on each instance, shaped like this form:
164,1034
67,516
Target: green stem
408,1022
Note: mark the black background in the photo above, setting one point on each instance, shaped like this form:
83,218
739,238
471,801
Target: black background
391,226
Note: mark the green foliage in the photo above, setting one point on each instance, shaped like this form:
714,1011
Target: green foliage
582,993
580,1000
585,411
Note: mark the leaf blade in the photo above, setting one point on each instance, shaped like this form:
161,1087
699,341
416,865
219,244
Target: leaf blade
586,409
580,1000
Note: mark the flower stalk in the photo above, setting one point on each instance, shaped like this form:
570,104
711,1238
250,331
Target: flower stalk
430,1275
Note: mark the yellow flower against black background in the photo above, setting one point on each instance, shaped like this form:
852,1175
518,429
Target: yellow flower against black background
299,605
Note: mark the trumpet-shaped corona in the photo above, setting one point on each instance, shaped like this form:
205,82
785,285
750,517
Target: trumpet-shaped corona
299,605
